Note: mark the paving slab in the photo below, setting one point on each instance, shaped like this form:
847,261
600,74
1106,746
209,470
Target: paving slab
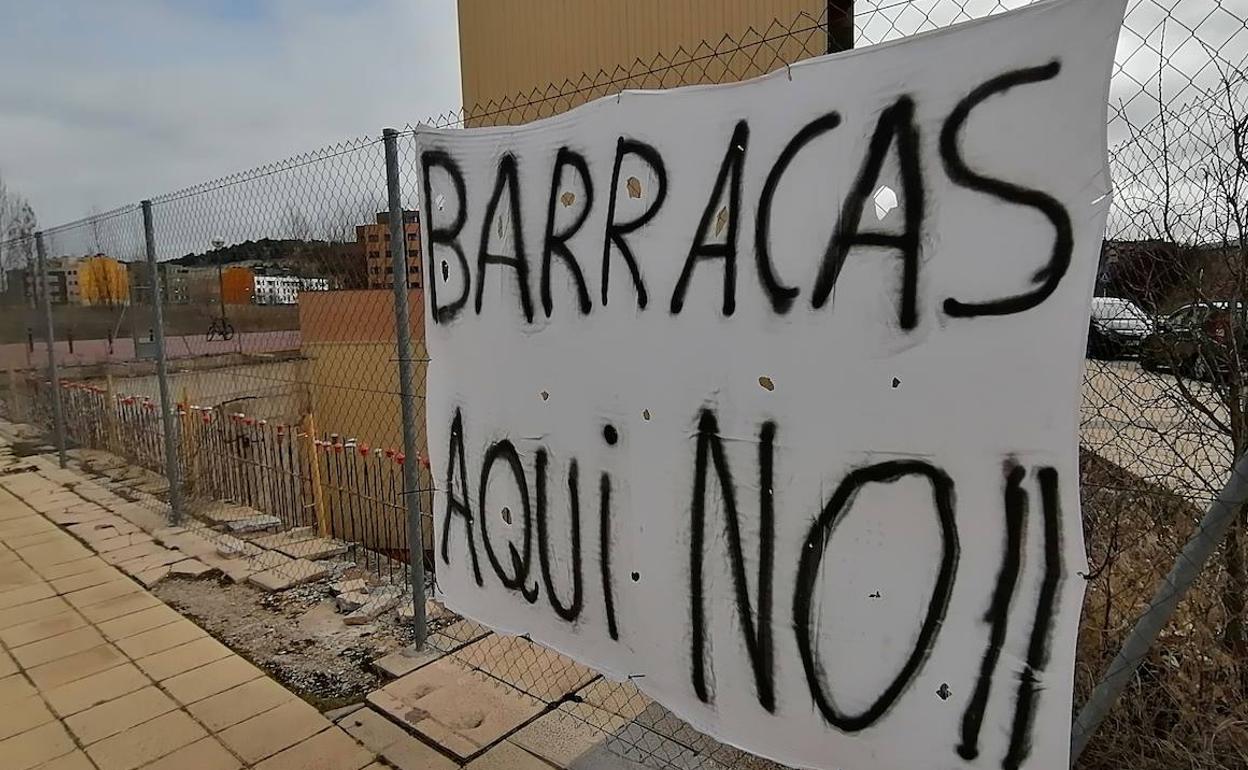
160,638
113,540
211,679
144,518
153,487
379,600
259,523
14,688
231,547
162,558
354,585
383,737
138,622
31,632
236,570
76,666
205,754
351,601
342,712
289,537
458,634
330,749
21,541
103,676
102,592
14,528
314,548
136,551
24,714
71,568
35,747
295,573
147,742
240,703
192,568
222,512
119,605
462,710
119,715
615,698
272,731
567,733
42,608
165,535
57,647
636,747
527,666
99,530
193,543
86,579
150,577
507,756
82,694
79,514
183,658
48,555
15,575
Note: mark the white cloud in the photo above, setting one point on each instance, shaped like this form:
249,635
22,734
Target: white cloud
107,103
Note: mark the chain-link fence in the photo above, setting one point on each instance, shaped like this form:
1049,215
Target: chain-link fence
283,290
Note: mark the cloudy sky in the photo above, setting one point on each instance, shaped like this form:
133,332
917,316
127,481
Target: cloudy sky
104,102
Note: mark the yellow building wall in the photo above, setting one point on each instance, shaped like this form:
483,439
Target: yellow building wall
353,384
510,47
354,388
103,281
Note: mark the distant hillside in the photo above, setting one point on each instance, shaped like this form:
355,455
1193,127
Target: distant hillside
264,250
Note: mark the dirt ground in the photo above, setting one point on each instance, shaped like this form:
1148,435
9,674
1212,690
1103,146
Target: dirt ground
296,636
87,323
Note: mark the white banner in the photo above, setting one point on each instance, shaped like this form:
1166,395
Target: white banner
764,395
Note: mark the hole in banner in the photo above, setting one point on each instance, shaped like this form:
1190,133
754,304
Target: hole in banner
885,201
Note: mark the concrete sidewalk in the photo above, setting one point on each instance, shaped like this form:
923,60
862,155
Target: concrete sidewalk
95,672
99,673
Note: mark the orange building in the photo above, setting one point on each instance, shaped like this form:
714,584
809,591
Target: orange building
374,239
238,285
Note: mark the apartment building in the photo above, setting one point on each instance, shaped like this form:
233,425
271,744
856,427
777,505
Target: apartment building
374,238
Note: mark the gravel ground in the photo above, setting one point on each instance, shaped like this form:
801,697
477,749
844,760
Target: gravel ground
297,636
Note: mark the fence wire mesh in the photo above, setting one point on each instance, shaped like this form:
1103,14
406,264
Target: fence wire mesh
280,333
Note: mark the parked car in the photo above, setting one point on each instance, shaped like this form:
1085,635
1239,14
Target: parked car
1198,340
1117,328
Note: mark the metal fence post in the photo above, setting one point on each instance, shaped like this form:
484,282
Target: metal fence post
54,377
17,407
168,417
403,335
1196,552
